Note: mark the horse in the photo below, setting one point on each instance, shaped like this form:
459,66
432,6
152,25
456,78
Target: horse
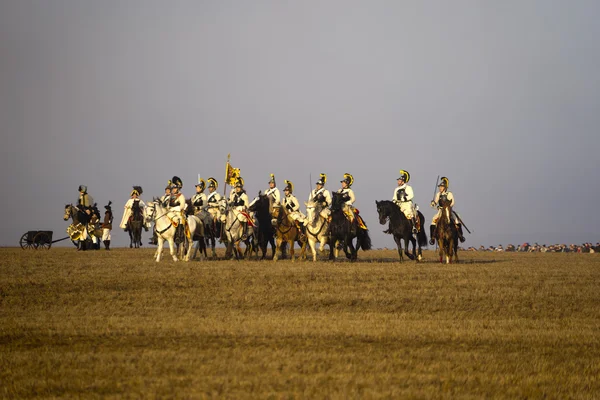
234,231
78,230
446,234
263,207
342,231
134,225
287,232
401,228
166,228
317,228
197,237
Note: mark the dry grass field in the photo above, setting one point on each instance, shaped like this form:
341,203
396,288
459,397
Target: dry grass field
116,324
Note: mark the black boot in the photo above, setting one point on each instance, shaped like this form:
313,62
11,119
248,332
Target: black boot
460,233
432,234
244,230
105,244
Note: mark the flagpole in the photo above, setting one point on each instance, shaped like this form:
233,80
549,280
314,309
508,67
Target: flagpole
226,174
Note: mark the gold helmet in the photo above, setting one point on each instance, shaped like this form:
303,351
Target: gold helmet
349,179
201,183
137,190
239,182
444,182
212,182
322,179
272,179
289,186
404,175
169,184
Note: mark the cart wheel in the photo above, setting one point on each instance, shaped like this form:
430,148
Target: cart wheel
42,240
25,244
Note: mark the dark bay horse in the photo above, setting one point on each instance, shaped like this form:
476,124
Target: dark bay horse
286,233
134,225
401,228
263,209
446,234
342,231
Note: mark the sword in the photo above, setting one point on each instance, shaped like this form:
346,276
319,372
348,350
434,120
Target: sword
460,220
435,188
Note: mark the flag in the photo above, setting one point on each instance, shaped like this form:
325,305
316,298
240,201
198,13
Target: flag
231,174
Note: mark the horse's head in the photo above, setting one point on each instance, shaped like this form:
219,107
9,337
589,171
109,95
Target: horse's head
382,211
223,206
150,210
337,201
313,209
67,212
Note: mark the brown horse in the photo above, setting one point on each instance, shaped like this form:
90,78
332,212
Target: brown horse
446,235
286,231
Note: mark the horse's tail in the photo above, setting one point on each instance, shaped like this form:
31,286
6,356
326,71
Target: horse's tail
422,235
364,239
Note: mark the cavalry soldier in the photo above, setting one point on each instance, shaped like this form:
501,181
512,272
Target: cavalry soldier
403,196
444,196
273,192
134,198
85,201
199,199
291,204
321,195
107,225
348,195
213,199
164,200
177,199
239,200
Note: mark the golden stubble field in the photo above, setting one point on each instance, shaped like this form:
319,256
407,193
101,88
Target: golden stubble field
116,324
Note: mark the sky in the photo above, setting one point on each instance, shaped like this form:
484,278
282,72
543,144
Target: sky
500,97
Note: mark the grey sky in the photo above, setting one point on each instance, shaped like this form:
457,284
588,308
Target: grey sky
501,97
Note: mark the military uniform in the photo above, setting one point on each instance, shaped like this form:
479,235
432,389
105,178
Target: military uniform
321,195
177,200
85,201
403,197
348,196
199,200
292,205
239,201
273,192
135,193
107,226
213,199
443,196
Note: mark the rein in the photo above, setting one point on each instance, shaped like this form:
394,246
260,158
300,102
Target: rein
316,235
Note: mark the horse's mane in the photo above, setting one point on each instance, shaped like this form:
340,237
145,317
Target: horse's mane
393,208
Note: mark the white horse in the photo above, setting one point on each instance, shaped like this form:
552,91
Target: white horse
234,230
165,222
316,228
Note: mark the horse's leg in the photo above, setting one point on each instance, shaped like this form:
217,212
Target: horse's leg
172,249
130,238
278,242
398,241
291,244
159,249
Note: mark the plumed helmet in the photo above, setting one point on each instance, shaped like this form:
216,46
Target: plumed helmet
137,190
404,175
444,182
239,182
212,182
177,182
272,178
201,183
108,207
289,186
169,184
349,179
83,188
322,179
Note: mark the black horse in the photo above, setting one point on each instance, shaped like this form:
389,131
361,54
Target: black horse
134,225
266,232
342,231
401,228
446,234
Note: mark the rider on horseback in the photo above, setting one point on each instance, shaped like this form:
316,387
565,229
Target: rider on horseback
199,202
85,201
403,196
273,193
348,196
176,202
444,196
213,199
135,198
163,199
239,200
322,196
291,204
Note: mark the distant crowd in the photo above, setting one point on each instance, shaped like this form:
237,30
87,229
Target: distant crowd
542,248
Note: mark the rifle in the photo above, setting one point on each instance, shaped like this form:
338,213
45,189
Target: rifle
435,189
460,220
